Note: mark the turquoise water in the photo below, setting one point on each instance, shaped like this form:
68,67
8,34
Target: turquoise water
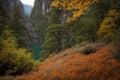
36,50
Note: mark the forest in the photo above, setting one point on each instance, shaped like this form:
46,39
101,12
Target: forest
60,40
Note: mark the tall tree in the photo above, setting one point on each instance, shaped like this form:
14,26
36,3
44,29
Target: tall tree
55,38
109,26
78,7
16,24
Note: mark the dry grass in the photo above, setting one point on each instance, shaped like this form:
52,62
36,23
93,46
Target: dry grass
71,65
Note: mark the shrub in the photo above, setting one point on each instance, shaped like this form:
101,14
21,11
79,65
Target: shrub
117,55
55,38
16,62
43,55
116,40
13,60
6,77
88,50
75,66
109,27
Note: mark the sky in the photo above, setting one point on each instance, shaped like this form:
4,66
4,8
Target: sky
29,2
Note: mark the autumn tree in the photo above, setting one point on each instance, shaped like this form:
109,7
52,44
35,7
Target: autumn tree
13,60
78,7
109,26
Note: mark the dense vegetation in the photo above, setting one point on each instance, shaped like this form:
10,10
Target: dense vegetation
80,40
15,58
99,22
72,65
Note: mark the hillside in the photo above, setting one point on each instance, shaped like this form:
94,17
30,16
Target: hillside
60,40
73,65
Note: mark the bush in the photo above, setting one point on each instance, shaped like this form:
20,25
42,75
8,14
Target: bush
55,38
117,55
16,62
75,66
6,77
109,27
88,50
44,55
116,40
13,60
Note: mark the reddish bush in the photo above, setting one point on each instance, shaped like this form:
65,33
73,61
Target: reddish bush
75,66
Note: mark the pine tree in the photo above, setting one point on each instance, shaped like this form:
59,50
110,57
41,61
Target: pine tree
16,24
55,38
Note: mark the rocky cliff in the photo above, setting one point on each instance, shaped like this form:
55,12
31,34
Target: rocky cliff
39,19
42,16
8,5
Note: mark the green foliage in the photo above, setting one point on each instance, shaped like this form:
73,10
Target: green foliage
55,38
55,16
2,19
117,55
109,26
116,39
43,55
6,77
81,30
16,62
88,50
85,28
114,4
1,23
13,60
16,24
7,40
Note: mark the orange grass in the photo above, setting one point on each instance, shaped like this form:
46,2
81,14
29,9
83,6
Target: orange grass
75,66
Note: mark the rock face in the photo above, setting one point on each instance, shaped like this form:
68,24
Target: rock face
9,4
39,18
42,16
36,25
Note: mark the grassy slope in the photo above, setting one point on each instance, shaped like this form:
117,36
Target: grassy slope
72,65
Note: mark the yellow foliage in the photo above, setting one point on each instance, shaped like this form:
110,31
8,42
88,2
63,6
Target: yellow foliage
78,7
13,60
108,25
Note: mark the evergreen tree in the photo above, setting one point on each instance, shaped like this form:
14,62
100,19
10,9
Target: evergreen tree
86,27
55,38
2,18
16,24
13,60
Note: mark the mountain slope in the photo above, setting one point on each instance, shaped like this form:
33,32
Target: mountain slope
72,65
10,5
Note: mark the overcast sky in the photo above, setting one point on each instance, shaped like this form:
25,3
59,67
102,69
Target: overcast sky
29,2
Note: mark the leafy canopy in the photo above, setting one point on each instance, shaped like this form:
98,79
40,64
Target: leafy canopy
109,26
78,7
